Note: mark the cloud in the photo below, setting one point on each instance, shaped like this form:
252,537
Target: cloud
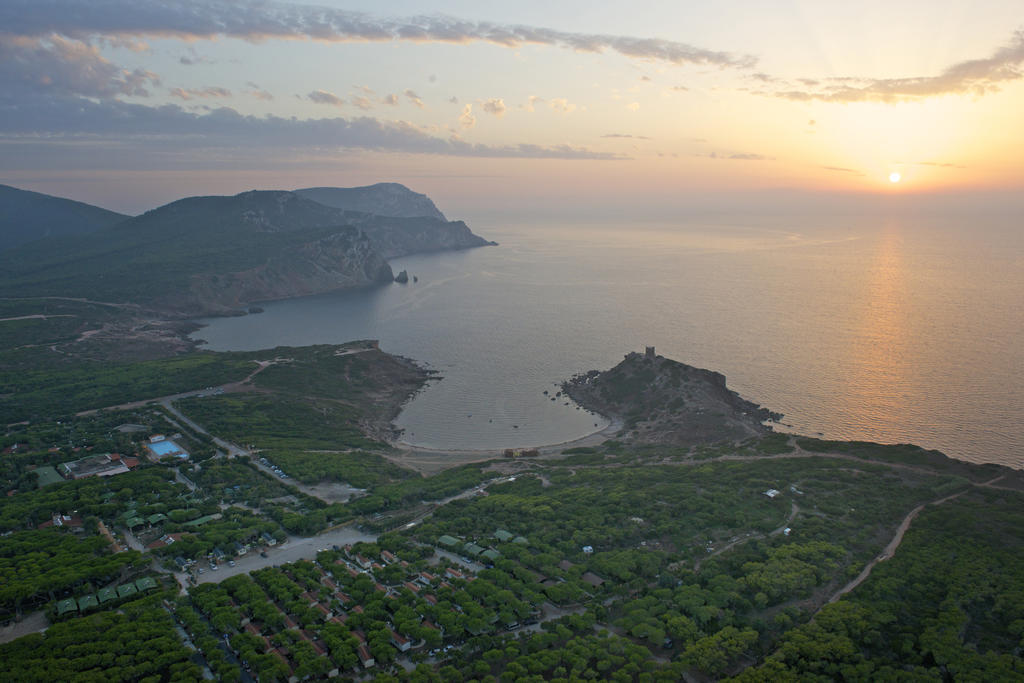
361,102
54,63
624,135
633,106
194,93
841,169
62,120
560,104
453,100
325,97
972,77
531,103
494,106
262,19
414,98
258,92
390,100
935,164
742,156
466,118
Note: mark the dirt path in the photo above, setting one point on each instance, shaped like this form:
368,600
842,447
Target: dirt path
751,536
32,623
901,530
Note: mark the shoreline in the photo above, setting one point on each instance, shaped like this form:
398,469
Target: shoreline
432,460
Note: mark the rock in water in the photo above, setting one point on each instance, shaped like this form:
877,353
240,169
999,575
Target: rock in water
402,277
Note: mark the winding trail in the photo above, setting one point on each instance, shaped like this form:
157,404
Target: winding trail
749,537
901,530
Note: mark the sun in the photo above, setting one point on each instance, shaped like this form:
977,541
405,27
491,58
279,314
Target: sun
894,177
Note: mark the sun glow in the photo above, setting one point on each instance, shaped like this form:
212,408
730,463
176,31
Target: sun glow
894,177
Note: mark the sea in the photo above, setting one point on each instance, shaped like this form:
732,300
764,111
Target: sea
894,330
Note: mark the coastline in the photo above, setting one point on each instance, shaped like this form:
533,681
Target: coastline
432,460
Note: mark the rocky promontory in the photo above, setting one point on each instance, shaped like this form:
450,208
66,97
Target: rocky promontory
659,400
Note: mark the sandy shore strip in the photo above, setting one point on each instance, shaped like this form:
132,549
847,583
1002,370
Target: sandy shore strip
433,460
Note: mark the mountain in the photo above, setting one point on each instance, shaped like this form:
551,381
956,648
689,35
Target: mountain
28,216
383,199
203,255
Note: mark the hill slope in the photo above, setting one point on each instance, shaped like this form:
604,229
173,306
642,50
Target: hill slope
383,199
203,255
664,401
28,216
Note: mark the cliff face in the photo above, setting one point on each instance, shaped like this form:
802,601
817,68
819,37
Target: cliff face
403,236
345,259
383,199
664,401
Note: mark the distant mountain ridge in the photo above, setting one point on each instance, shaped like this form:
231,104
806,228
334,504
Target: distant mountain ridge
215,255
382,199
27,216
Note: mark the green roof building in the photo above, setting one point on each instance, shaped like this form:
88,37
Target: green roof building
202,520
472,549
491,555
503,535
157,518
66,606
449,541
126,589
520,540
87,602
146,583
107,594
133,522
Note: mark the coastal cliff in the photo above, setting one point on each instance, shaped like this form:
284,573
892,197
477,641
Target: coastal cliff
216,255
663,401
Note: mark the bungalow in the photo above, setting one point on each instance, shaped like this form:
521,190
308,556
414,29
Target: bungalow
325,613
308,598
401,642
268,539
453,573
425,578
364,657
412,586
362,562
431,599
592,579
329,582
388,556
239,548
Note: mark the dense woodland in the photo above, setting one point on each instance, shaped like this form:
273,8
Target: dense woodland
618,562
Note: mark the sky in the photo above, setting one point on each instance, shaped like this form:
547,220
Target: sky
568,107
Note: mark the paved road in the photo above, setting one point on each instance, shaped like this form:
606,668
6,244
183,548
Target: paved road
295,548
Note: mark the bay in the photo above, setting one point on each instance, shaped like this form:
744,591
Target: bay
897,330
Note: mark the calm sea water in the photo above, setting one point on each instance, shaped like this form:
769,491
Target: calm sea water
886,330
